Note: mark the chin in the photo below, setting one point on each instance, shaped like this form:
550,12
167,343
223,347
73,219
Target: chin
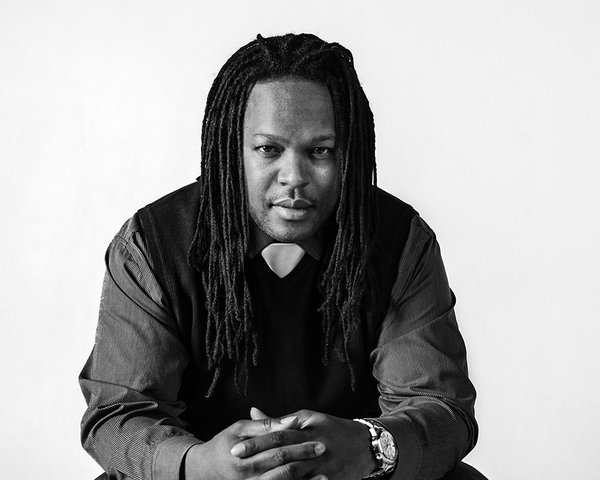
290,234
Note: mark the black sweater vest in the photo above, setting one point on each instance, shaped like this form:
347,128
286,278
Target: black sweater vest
289,375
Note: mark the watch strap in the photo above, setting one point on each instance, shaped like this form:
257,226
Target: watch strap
376,430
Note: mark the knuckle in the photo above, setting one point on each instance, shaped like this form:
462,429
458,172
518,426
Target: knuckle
250,470
287,472
240,466
249,446
290,471
267,423
237,426
306,415
280,456
277,438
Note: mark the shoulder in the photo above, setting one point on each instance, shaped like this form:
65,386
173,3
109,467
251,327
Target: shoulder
128,244
400,227
393,226
129,266
403,238
179,201
389,202
166,227
394,218
392,209
172,217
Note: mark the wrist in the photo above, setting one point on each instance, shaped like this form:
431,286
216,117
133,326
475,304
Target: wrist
383,448
192,468
368,463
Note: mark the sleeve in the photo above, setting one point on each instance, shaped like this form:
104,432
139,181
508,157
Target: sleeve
132,377
426,398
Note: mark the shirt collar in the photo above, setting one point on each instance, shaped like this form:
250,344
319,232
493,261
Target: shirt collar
259,240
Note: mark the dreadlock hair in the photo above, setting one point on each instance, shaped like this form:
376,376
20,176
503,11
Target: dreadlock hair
220,243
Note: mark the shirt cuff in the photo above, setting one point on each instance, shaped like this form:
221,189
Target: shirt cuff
168,456
408,444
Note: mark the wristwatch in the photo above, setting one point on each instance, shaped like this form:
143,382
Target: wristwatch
383,446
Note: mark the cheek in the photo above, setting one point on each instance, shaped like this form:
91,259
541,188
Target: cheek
257,184
253,196
330,182
249,176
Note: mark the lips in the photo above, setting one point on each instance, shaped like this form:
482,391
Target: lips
298,203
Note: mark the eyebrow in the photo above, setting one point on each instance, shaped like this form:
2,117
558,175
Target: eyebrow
277,138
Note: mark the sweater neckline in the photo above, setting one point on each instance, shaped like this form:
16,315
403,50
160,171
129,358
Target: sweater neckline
296,275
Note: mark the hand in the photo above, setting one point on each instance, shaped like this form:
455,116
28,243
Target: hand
276,443
347,448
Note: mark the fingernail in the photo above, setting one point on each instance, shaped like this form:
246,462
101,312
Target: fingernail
287,420
237,450
319,448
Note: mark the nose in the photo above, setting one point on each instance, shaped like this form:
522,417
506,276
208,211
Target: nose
293,170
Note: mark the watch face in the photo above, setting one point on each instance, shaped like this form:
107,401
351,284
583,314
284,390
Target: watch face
388,446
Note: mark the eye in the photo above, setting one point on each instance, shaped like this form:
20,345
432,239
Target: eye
321,153
267,151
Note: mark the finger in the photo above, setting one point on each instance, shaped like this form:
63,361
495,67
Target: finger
304,417
276,457
268,441
290,471
256,414
253,428
316,477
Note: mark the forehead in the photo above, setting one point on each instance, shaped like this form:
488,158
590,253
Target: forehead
289,103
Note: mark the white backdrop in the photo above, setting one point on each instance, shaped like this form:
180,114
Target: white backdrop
488,122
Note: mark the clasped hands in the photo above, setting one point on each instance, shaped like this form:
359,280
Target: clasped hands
303,445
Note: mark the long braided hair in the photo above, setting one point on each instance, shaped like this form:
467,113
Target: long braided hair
220,244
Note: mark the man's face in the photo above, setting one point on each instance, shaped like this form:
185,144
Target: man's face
289,162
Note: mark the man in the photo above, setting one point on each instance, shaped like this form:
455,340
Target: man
281,318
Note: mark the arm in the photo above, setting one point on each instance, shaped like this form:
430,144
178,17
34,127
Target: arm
131,383
132,377
420,364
